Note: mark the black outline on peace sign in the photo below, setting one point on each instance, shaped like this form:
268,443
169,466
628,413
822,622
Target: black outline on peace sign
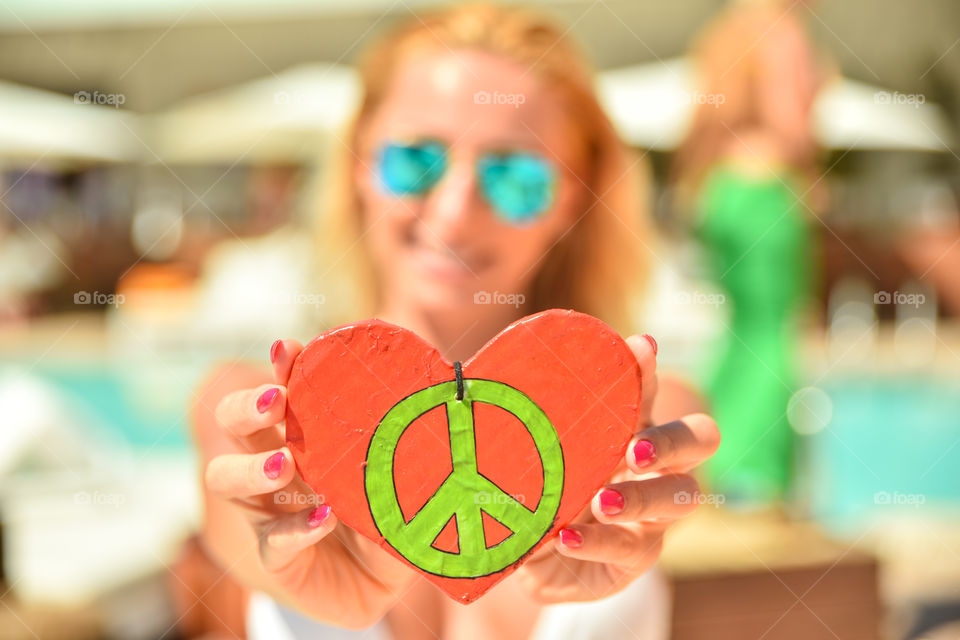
457,495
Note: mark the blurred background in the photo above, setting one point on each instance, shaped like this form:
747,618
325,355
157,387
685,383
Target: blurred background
159,167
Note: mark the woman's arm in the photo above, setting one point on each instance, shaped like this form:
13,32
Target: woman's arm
263,524
226,534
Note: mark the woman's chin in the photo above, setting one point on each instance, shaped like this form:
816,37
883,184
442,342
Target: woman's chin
443,297
440,284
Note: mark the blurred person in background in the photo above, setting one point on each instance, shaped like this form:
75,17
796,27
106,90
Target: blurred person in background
744,173
479,161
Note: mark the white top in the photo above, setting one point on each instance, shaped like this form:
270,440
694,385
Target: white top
640,611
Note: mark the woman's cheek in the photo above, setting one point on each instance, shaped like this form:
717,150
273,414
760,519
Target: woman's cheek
522,252
528,252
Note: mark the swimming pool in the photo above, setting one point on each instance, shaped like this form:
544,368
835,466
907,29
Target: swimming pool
892,445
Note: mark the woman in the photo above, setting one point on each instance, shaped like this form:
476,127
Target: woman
746,169
479,163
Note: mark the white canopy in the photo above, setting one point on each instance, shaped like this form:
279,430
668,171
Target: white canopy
43,125
289,117
281,118
651,105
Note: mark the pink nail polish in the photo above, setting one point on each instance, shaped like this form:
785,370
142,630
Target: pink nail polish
570,538
611,502
266,399
273,466
318,515
644,453
653,343
275,350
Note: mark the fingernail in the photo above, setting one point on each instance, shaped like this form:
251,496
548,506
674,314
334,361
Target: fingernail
266,399
570,538
273,466
644,453
318,515
275,350
611,502
653,343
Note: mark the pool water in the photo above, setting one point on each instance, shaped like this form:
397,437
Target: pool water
145,409
893,444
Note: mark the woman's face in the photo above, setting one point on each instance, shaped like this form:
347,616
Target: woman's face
447,248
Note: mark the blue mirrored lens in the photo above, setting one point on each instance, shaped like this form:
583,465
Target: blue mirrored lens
412,169
519,186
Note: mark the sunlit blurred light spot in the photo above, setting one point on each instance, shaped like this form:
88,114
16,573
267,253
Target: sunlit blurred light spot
853,331
447,75
809,410
915,341
157,229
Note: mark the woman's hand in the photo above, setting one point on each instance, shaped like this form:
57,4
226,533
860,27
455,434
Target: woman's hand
620,535
295,554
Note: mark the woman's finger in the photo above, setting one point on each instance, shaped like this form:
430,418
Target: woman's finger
659,498
644,348
241,475
247,411
282,355
675,447
636,548
288,535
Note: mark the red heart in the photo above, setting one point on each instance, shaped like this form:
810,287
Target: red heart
571,366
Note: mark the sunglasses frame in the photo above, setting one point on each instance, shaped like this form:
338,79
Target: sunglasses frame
498,151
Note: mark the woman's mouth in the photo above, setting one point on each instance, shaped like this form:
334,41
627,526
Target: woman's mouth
444,263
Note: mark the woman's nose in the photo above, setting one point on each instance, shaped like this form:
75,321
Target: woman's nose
454,205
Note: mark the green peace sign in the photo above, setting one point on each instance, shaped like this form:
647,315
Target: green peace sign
465,492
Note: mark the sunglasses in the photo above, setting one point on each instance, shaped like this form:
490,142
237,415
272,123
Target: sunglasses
519,186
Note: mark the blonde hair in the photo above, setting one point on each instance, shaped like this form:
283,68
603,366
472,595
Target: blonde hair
746,56
598,264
